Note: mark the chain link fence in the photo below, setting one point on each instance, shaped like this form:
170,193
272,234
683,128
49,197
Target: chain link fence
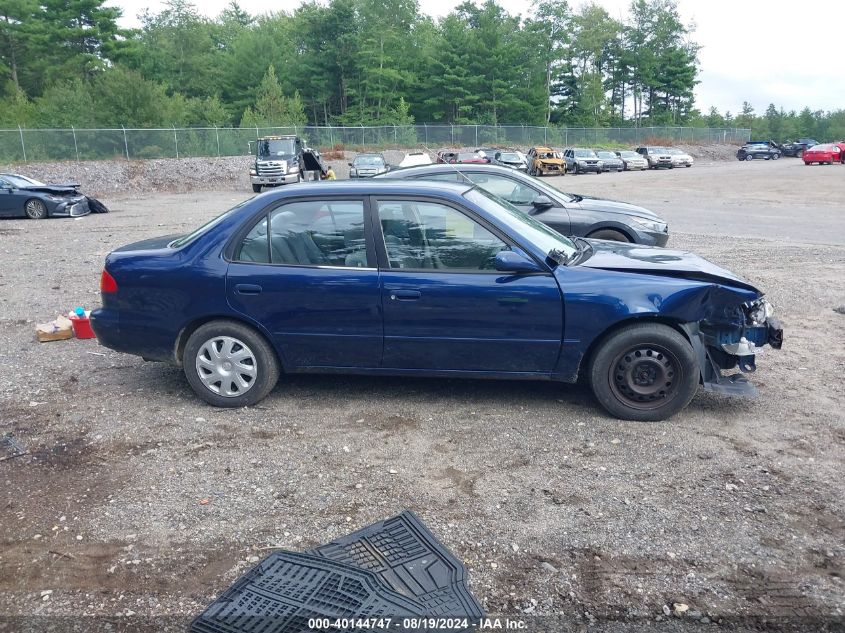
33,145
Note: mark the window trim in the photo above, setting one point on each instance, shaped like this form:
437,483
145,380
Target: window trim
238,237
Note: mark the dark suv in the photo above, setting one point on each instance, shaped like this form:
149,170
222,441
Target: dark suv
796,148
758,149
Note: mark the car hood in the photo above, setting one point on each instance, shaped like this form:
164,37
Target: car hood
590,203
634,258
58,190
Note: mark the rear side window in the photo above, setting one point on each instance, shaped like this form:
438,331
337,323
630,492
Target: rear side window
312,233
256,245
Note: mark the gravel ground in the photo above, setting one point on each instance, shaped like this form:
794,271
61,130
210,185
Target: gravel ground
136,500
120,177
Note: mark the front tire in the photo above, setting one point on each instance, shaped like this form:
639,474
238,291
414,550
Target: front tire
35,209
256,188
229,364
645,372
609,234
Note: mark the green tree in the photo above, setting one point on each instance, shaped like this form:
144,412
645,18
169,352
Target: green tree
272,107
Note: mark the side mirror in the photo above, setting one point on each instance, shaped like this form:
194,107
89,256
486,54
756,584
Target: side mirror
513,262
350,164
543,202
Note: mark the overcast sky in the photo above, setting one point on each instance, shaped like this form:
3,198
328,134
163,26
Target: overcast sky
759,51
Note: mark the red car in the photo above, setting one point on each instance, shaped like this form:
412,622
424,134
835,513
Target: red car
471,158
826,153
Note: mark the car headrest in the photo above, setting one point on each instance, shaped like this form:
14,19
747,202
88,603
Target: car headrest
283,221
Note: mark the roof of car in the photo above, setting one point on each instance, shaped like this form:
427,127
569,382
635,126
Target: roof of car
437,168
375,185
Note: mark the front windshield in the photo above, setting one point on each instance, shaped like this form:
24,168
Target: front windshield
206,227
674,151
545,238
658,150
509,157
585,153
368,161
629,155
607,155
22,181
278,148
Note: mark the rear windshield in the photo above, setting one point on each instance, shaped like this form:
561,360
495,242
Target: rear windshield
190,237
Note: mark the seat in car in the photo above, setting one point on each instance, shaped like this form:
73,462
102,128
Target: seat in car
291,243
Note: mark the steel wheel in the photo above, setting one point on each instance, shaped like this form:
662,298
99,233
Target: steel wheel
645,371
645,377
226,366
35,209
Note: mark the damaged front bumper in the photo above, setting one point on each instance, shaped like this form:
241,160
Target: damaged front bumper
726,346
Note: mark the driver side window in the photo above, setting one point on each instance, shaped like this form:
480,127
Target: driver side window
428,235
511,190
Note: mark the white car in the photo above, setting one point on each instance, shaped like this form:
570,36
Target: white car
415,158
632,160
679,157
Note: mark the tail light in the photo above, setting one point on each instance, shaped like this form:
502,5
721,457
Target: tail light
107,283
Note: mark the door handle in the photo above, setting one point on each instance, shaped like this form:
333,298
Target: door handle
248,289
405,295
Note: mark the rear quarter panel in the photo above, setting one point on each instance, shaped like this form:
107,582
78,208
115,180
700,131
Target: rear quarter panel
160,292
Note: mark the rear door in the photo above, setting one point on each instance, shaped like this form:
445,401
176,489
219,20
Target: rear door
306,271
445,306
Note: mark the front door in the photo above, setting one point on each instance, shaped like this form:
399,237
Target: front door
307,273
447,308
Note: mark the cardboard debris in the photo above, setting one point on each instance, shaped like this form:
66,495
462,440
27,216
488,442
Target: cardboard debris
57,330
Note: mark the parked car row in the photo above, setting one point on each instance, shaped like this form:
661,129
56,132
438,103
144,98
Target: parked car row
808,150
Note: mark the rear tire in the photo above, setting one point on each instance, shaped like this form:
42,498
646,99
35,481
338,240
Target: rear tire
749,157
256,188
35,209
228,364
645,372
609,234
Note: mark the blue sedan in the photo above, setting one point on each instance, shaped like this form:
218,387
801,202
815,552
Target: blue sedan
427,279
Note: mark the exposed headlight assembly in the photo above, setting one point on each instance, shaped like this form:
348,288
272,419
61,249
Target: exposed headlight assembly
651,225
758,311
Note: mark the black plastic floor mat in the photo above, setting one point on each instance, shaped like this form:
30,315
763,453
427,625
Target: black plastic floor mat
286,589
408,557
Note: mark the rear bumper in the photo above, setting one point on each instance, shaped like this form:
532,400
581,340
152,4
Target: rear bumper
149,343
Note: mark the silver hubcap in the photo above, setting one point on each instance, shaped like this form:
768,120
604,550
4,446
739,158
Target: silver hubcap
34,209
226,366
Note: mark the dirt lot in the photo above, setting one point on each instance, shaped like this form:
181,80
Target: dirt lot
735,507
